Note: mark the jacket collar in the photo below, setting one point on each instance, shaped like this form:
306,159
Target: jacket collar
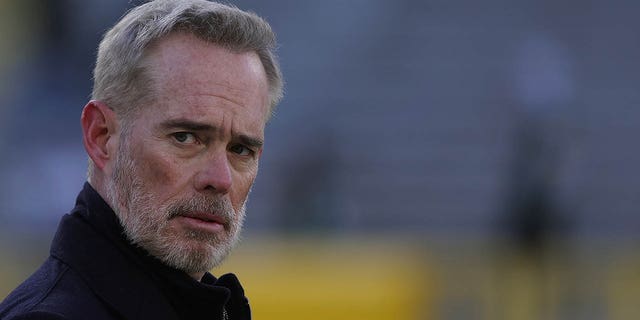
105,269
91,241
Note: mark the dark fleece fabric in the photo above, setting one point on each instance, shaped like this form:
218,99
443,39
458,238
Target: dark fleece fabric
94,272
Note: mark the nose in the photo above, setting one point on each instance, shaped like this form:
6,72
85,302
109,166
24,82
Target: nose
215,175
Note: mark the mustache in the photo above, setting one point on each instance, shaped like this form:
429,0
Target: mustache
219,207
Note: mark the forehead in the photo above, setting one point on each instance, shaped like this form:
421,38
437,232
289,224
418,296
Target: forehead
191,72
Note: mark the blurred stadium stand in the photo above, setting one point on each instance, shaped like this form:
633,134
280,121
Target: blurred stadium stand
431,160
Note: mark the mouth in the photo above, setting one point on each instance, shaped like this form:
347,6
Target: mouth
209,222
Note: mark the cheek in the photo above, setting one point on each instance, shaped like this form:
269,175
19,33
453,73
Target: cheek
159,172
241,185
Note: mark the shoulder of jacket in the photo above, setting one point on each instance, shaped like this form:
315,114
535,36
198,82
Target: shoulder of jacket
39,315
33,292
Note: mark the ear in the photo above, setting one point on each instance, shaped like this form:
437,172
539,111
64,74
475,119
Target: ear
99,125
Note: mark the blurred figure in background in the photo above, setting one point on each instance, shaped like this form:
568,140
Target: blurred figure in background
535,221
167,185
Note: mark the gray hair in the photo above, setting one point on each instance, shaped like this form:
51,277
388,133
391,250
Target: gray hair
119,75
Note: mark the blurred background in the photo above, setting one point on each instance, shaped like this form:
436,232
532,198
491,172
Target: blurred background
432,159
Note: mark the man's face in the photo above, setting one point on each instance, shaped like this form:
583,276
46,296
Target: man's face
186,165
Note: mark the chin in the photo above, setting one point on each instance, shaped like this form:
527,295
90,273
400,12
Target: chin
192,254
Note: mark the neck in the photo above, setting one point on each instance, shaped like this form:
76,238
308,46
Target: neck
197,276
97,182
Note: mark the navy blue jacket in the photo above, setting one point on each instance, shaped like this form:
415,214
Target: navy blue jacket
93,272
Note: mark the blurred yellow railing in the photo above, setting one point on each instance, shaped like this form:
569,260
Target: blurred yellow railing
370,277
324,279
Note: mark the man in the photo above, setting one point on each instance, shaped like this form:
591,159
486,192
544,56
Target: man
174,132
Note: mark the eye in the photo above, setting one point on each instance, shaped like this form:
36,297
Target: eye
241,150
184,137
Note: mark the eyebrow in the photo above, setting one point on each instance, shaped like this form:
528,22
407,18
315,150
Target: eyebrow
187,125
191,125
250,141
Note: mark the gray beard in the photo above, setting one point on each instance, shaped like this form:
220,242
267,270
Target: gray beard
146,225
